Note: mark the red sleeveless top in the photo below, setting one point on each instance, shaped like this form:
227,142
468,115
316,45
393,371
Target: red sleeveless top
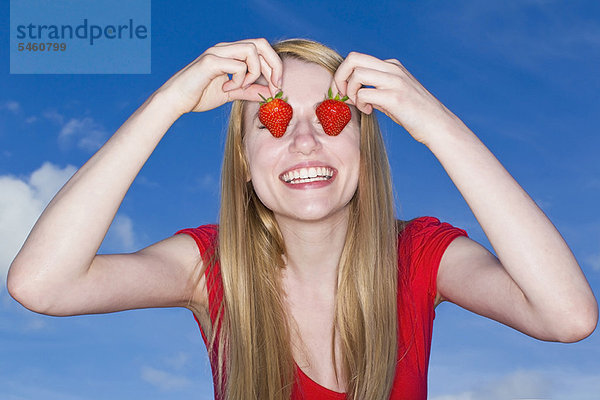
420,248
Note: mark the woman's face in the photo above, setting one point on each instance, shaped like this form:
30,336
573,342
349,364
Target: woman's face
279,166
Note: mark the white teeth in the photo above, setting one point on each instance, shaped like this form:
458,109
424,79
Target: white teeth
304,175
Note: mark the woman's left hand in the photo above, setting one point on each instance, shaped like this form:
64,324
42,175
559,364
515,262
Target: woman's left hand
534,283
388,87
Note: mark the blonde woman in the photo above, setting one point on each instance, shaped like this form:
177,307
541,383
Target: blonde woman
308,288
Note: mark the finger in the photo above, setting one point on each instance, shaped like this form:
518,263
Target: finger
237,69
365,98
379,100
267,73
394,61
362,77
353,85
345,70
241,51
251,93
235,82
250,51
335,89
254,68
398,64
274,63
403,72
211,66
269,65
356,60
236,50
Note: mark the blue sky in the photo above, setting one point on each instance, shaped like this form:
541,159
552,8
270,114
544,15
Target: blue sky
522,74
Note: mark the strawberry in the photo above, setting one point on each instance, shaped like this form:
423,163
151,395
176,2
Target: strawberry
333,113
275,113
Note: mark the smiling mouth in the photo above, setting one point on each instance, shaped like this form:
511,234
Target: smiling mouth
307,175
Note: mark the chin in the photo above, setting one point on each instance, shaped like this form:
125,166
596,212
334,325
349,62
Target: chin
314,213
307,208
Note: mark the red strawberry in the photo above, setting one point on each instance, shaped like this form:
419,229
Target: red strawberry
333,114
275,113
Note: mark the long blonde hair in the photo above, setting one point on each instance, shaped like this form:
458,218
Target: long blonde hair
253,345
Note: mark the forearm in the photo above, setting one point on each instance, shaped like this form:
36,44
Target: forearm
66,237
526,242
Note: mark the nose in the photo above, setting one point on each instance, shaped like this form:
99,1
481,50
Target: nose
304,137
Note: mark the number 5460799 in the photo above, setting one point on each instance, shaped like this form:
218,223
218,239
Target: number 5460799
48,46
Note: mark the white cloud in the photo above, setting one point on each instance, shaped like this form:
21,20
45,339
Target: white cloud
543,204
463,396
163,379
144,181
557,383
577,386
178,361
15,108
86,133
12,106
121,235
22,201
121,105
521,384
48,179
208,182
593,261
29,388
36,324
54,116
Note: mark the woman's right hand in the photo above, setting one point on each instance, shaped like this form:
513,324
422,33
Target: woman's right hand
204,84
58,270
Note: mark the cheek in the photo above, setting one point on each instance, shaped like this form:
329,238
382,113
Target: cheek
261,164
263,186
351,148
352,158
251,150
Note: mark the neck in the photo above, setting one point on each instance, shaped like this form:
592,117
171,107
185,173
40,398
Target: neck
313,249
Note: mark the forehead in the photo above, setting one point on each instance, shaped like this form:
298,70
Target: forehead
304,84
303,79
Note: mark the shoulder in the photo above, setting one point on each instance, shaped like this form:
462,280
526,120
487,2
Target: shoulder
205,236
426,234
208,231
206,242
422,226
422,242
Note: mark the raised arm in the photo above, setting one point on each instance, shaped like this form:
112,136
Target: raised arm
535,285
58,272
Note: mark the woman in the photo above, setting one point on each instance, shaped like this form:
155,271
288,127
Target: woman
308,290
